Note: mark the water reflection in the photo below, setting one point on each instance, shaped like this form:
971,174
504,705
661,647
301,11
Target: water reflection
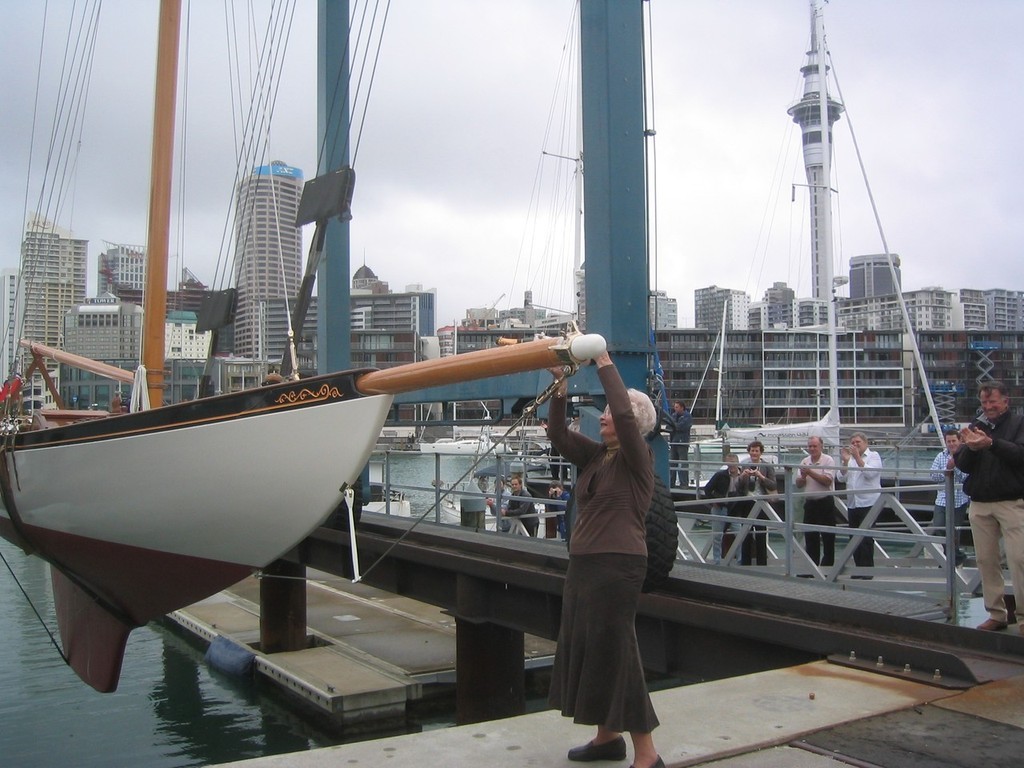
169,710
197,711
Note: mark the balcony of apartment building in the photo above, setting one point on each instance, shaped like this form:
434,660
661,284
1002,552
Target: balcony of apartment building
796,361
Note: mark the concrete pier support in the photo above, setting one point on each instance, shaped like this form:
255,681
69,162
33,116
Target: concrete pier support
490,682
283,607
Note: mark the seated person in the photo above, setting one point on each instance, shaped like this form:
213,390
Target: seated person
520,502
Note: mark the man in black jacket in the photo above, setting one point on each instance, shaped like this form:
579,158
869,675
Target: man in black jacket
680,424
993,458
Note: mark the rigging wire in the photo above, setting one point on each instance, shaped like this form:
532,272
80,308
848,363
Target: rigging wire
656,372
784,159
341,82
32,605
528,413
892,267
64,143
255,127
182,177
369,87
553,210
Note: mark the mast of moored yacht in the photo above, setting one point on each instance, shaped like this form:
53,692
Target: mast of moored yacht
155,301
719,421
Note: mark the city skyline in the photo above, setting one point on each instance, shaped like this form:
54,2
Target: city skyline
763,311
446,167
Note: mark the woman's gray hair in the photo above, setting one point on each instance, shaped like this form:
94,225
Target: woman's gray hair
643,411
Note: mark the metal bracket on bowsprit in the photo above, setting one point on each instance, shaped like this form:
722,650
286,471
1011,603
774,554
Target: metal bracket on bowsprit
531,409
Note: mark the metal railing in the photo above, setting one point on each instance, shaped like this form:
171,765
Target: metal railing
908,555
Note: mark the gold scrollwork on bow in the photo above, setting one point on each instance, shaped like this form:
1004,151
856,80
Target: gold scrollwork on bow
325,392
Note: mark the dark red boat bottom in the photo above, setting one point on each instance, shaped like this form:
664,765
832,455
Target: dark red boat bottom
103,590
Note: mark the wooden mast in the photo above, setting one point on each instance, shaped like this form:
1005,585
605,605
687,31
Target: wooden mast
155,304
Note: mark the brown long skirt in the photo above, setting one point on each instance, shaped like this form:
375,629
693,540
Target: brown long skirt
598,678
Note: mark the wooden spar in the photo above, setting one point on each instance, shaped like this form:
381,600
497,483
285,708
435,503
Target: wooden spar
482,364
155,304
84,363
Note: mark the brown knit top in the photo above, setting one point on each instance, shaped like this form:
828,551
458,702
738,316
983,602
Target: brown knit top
613,486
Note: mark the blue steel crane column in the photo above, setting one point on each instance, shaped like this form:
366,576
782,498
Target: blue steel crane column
614,186
332,88
283,589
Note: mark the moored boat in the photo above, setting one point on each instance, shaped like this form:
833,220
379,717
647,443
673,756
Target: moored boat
463,446
139,514
142,513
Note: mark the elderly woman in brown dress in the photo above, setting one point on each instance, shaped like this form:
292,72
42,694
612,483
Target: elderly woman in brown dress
598,678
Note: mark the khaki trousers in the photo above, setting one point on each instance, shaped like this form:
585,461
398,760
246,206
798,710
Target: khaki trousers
989,521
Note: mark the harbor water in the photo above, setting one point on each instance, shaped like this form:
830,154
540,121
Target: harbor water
170,708
433,484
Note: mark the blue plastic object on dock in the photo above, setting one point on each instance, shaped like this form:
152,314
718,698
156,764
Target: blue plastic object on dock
229,657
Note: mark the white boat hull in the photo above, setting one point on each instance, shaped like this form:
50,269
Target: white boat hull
158,491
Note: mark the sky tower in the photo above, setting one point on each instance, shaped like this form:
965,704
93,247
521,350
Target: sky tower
817,160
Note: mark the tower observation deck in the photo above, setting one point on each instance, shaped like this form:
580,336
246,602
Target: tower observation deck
807,114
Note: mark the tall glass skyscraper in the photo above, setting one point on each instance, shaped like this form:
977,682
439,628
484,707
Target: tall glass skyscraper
268,249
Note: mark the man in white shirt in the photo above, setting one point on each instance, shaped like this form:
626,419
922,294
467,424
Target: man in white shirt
816,477
862,473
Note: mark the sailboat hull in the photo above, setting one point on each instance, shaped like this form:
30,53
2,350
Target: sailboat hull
155,510
462,447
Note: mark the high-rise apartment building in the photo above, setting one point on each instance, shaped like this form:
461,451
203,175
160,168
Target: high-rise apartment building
11,309
708,304
930,309
664,311
181,341
1005,309
121,267
972,309
870,313
376,307
268,248
778,309
53,279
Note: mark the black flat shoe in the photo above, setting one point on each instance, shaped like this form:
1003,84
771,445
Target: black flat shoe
610,750
659,763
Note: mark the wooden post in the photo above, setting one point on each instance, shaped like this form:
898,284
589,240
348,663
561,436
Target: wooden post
490,683
283,607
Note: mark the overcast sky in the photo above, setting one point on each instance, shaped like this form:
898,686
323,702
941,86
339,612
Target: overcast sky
466,99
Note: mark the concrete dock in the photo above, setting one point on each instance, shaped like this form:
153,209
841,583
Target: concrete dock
374,651
811,716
